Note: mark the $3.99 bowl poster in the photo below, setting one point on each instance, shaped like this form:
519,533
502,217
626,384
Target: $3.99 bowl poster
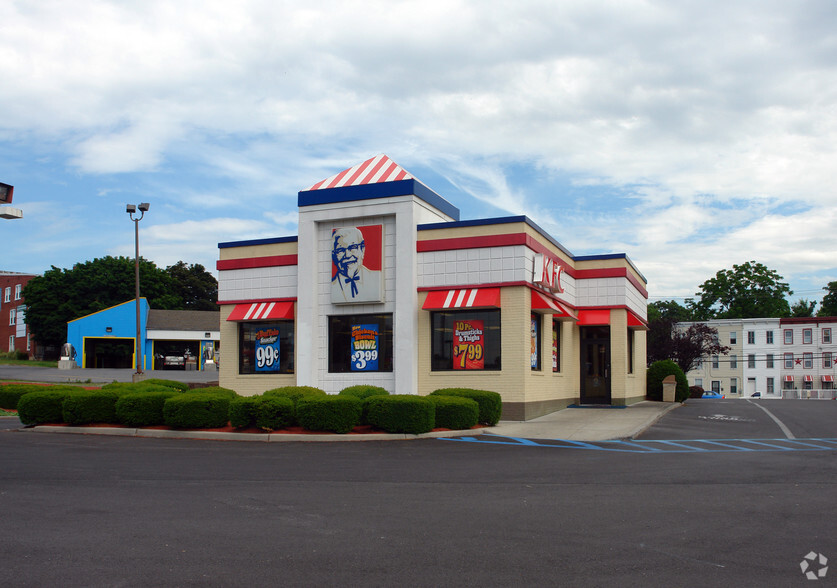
267,349
468,345
365,348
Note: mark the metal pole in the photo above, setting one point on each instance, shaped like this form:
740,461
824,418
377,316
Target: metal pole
136,277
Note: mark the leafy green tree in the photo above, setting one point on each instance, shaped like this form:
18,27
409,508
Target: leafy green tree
749,290
196,287
803,308
61,295
828,306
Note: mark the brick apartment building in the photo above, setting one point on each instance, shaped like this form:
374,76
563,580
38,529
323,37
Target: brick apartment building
14,333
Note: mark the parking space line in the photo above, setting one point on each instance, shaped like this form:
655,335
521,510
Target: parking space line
653,445
782,426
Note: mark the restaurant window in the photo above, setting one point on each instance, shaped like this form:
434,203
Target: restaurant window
360,343
266,348
788,336
807,336
465,340
535,343
630,351
556,346
768,337
808,360
826,336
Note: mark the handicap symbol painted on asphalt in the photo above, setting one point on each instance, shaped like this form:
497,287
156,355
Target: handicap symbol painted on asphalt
729,418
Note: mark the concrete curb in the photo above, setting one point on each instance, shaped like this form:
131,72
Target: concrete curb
639,430
262,438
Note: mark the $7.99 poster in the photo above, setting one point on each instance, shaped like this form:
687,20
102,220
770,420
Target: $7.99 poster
468,345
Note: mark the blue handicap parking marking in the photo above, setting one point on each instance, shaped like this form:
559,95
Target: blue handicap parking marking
662,446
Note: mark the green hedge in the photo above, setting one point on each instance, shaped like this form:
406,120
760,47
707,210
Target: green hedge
295,392
122,388
179,386
490,403
339,414
363,391
243,411
401,413
90,406
43,406
10,394
143,409
273,413
197,411
455,412
217,390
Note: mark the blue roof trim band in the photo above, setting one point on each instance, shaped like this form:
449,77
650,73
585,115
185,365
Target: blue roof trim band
268,241
373,191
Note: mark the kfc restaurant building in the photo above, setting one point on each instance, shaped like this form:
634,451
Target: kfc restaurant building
385,285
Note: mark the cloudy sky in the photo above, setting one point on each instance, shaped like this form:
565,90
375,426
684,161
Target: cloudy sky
690,135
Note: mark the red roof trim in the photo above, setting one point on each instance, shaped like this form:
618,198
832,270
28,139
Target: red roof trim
462,298
543,302
589,318
260,311
251,262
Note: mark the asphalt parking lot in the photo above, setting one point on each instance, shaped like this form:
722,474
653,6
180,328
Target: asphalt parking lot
114,511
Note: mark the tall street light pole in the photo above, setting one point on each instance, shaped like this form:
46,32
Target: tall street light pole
131,210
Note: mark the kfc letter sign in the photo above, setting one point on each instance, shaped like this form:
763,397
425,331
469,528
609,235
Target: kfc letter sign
547,273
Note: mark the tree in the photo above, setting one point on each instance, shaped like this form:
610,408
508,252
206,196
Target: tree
662,316
828,306
803,308
697,341
196,287
749,290
61,295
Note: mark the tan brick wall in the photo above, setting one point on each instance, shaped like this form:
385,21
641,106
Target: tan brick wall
265,250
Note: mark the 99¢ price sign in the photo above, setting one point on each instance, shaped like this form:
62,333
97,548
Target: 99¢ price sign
468,345
267,350
365,348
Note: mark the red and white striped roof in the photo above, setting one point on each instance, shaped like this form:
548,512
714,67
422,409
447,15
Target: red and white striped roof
376,170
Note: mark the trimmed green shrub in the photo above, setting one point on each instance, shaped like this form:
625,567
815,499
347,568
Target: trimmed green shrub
654,380
122,388
43,406
295,392
339,414
243,411
180,386
217,390
90,406
273,413
197,411
490,403
363,391
401,413
143,409
10,393
455,412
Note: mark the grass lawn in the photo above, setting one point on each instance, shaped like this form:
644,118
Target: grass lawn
49,364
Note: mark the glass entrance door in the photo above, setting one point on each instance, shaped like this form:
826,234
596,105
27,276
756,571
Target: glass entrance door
595,365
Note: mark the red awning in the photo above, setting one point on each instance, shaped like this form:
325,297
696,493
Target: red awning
463,298
588,318
551,306
808,378
635,322
828,378
788,378
259,311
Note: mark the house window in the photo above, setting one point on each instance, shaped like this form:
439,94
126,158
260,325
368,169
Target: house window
788,361
826,335
788,336
807,385
556,346
769,361
751,337
12,315
807,336
751,361
733,338
770,386
699,382
826,359
733,362
808,360
535,343
716,386
788,384
715,362
360,343
465,340
7,295
11,342
768,337
18,288
266,347
733,386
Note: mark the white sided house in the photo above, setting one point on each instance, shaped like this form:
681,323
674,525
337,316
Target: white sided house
385,285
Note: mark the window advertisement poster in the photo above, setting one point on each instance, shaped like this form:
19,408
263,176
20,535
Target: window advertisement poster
267,349
468,345
554,350
533,350
365,339
357,264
